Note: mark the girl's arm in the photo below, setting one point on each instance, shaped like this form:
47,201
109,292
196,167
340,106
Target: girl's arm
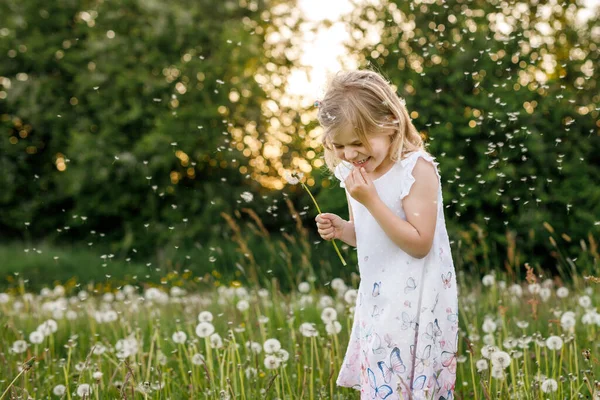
349,233
414,236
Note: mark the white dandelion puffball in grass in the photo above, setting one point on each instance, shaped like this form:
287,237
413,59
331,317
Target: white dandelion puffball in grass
516,354
4,298
523,342
84,390
126,347
176,291
250,372
99,349
215,341
509,343
481,365
567,320
272,361
585,301
71,315
333,328
489,326
254,347
489,339
197,359
36,337
350,296
562,292
326,301
500,359
205,329
591,317
338,285
534,288
48,327
545,294
97,375
497,372
328,315
515,290
59,390
19,346
488,280
308,330
205,316
549,385
522,324
554,343
179,337
488,350
304,287
243,305
271,346
263,319
283,355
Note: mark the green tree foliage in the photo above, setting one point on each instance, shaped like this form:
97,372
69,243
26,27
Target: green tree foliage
116,116
506,94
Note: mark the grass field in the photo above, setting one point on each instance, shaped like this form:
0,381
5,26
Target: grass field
529,340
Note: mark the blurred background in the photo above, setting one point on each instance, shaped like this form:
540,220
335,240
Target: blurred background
147,141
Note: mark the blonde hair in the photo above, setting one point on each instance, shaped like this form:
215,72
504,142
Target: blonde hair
365,101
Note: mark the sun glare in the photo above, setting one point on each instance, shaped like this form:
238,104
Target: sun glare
323,52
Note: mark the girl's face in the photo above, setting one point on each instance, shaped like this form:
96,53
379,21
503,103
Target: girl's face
348,147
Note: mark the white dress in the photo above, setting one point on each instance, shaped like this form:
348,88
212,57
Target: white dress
404,336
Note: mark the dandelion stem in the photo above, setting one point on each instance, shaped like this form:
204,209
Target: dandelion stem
26,367
319,210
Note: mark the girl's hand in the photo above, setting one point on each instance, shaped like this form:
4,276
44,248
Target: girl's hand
361,187
330,226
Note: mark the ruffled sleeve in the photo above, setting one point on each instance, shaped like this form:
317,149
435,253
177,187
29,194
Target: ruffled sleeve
408,164
341,172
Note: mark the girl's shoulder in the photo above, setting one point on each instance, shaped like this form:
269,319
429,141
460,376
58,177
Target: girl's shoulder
408,164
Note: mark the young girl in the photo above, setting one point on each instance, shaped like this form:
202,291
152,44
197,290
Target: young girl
404,336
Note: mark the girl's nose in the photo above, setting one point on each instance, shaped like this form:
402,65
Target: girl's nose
349,153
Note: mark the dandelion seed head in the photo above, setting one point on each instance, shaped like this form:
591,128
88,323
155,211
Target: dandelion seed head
197,359
308,330
488,280
501,359
328,315
84,390
59,390
243,305
481,365
333,328
205,316
204,329
554,343
179,337
549,386
272,361
271,346
36,337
